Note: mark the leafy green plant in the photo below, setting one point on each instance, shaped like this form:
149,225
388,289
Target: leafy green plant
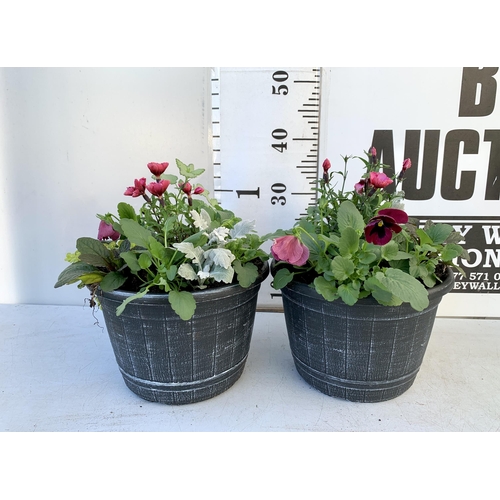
174,243
359,243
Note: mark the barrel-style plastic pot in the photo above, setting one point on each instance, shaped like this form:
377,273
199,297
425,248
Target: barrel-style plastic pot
165,359
366,352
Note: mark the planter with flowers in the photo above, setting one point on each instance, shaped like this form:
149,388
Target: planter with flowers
177,281
361,283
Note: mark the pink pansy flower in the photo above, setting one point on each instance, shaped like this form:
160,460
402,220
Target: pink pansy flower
137,189
380,228
379,179
290,249
158,188
157,168
106,231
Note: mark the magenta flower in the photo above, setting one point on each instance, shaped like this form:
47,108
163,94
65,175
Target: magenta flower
106,231
158,188
379,179
186,187
198,190
406,164
326,165
137,189
290,249
157,168
380,228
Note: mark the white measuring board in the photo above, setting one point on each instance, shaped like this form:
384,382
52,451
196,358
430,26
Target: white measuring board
265,125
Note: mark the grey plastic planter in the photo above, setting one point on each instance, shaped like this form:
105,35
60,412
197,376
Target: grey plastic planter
366,352
165,359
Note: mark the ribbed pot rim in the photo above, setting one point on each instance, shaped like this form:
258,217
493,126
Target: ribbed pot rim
435,293
199,295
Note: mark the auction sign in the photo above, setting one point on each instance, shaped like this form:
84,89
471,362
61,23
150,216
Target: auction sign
447,121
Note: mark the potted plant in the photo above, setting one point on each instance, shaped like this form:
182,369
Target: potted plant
361,282
177,281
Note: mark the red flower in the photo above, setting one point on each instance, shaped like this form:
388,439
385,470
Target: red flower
380,228
106,231
290,249
138,189
157,168
198,190
158,188
379,179
326,165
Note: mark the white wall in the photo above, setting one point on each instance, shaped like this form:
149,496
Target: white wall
71,141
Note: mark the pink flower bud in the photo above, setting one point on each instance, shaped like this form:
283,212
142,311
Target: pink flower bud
158,188
137,189
326,165
198,190
373,155
157,168
406,164
186,187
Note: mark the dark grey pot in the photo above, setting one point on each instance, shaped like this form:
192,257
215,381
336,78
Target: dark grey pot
165,359
366,352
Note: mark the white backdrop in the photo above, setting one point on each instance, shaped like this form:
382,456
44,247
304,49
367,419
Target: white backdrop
71,141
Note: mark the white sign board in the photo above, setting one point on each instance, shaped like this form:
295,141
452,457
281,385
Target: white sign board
447,120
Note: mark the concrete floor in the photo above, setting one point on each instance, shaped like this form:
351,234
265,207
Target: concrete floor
58,373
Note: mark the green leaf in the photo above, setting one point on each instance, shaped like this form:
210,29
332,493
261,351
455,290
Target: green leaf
405,287
342,268
424,237
282,278
349,293
112,281
144,261
185,271
439,232
72,273
126,211
127,301
188,171
171,272
326,288
451,251
91,278
93,251
246,273
182,303
130,259
349,216
380,293
349,242
135,232
170,177
390,251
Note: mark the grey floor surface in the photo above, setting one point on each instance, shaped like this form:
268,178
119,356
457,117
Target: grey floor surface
58,373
